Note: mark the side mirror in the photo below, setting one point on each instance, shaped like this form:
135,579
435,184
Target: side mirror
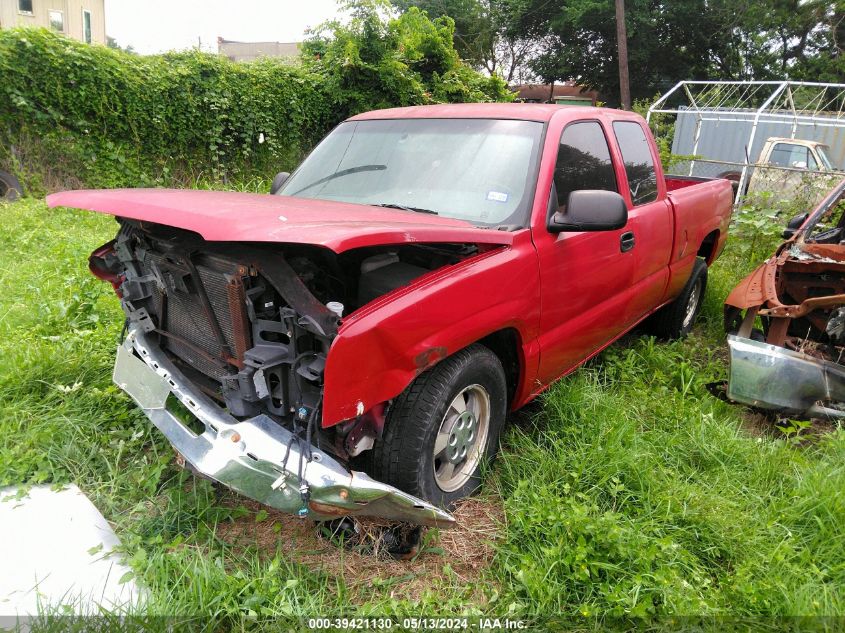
590,210
278,181
794,224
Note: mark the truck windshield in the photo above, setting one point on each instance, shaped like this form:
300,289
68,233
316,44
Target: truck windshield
478,170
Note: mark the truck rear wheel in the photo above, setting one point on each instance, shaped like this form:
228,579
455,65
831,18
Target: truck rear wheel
442,429
676,319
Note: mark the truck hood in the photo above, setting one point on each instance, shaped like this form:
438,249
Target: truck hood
223,216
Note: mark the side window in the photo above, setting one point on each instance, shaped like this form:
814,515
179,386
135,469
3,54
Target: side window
57,21
583,161
639,161
86,26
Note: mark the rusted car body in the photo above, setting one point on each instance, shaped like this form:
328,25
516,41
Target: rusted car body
788,320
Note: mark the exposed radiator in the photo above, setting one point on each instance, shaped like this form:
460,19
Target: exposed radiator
189,334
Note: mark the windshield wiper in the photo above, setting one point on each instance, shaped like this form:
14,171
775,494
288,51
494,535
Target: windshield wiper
341,173
392,205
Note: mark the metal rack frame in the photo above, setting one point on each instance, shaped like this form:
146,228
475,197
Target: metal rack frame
798,102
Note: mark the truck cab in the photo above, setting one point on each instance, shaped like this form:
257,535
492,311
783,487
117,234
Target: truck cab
787,166
797,154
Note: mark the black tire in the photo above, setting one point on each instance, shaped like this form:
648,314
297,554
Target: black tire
404,456
10,187
674,321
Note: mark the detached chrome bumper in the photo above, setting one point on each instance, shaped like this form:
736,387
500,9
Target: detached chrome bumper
771,377
248,456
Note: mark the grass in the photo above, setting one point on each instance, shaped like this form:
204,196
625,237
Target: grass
628,491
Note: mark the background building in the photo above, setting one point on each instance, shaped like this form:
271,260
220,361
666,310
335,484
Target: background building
568,93
247,51
83,20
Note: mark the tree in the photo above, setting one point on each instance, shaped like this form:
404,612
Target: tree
485,34
667,41
799,39
378,60
684,39
113,43
828,64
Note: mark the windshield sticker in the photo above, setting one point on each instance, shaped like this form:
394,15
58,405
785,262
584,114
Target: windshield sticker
497,196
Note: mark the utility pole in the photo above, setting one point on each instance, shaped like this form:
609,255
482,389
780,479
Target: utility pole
622,44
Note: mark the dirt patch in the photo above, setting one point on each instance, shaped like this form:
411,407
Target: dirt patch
772,426
757,424
460,554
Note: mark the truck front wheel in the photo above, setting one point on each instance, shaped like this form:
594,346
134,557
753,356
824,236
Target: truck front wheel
442,429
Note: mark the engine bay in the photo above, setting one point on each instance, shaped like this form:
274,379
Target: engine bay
251,324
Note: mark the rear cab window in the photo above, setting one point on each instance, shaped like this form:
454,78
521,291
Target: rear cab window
792,155
638,161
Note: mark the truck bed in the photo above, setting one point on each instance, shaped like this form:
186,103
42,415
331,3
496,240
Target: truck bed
673,182
694,199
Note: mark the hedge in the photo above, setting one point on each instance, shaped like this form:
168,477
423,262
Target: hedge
76,115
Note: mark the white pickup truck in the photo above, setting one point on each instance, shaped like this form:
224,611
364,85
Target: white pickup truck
793,168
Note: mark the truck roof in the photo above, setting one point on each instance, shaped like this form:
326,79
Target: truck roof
520,111
795,141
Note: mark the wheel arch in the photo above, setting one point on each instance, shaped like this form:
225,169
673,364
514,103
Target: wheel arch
708,248
506,344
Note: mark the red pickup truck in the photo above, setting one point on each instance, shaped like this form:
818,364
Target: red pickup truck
353,342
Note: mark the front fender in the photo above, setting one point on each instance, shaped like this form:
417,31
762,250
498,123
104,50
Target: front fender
384,346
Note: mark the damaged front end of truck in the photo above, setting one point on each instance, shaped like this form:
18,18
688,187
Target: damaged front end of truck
226,345
225,352
787,321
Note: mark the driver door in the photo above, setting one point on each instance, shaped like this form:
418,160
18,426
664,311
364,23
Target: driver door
583,276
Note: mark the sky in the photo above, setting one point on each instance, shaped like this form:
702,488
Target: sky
154,26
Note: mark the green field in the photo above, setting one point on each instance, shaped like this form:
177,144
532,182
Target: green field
628,491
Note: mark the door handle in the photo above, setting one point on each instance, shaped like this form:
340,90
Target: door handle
627,241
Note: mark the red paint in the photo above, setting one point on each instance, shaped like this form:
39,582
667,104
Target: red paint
564,296
95,260
228,216
519,111
376,353
567,296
